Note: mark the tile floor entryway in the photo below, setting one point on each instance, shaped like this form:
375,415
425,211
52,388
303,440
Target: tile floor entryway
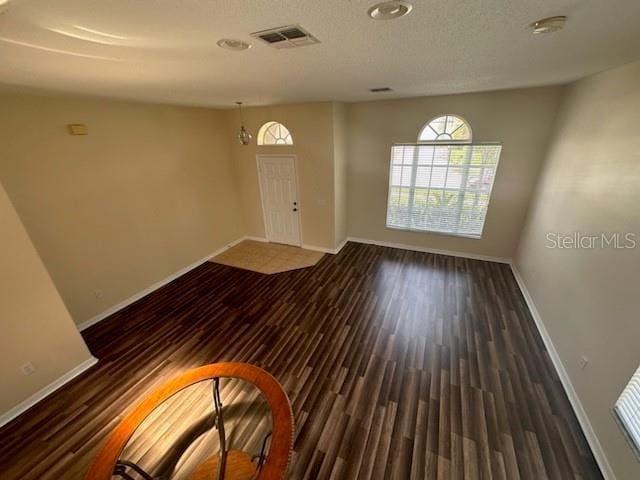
267,258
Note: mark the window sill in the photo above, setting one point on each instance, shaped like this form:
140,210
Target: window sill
435,232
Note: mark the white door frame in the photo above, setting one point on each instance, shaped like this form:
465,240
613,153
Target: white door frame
295,173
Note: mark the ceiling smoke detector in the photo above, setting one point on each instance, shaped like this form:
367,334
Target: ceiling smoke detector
548,25
389,10
233,44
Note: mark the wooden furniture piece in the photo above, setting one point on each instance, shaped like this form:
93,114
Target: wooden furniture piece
239,467
238,464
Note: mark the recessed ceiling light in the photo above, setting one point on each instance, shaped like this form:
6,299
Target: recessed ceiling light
548,25
233,44
389,10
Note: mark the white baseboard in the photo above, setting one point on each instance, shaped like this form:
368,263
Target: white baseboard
304,245
415,248
341,246
332,251
46,391
255,239
589,433
316,248
110,311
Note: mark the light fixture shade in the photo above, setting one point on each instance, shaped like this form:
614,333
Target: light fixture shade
548,25
244,137
389,10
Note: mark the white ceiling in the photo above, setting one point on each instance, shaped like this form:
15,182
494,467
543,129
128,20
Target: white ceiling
165,50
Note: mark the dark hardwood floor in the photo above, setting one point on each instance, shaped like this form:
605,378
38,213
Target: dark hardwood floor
398,364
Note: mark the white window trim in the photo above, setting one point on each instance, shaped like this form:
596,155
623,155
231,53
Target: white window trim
428,125
264,130
629,397
439,232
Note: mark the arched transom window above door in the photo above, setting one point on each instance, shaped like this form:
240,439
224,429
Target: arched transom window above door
446,128
274,133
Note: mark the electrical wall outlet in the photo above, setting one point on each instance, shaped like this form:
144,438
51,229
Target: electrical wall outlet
28,368
583,362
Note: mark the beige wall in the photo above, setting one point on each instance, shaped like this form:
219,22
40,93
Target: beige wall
311,126
520,119
149,191
588,299
36,326
340,158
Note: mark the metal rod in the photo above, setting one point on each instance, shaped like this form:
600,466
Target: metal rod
262,456
217,402
240,108
121,469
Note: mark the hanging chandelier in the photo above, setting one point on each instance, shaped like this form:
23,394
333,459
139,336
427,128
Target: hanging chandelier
244,137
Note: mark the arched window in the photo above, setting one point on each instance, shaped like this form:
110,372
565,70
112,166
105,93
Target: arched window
274,133
446,128
443,182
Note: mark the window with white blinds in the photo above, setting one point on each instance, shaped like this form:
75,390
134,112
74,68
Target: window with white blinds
627,410
441,187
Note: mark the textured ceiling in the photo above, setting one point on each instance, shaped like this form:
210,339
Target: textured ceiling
165,50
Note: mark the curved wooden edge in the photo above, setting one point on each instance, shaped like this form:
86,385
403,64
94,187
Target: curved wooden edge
281,414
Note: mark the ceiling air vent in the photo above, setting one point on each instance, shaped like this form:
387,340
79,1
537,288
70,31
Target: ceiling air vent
290,36
381,89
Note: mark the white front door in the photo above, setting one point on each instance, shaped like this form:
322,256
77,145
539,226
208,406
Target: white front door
279,189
